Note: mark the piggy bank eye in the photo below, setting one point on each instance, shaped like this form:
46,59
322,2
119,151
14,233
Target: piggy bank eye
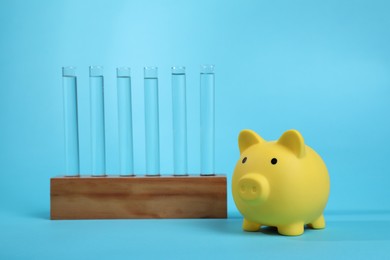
274,161
244,160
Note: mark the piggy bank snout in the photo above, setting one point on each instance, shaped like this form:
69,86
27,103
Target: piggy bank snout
253,187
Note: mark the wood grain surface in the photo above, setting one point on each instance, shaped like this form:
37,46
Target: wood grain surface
115,197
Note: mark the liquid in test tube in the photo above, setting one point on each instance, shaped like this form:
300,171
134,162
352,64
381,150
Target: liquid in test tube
125,121
179,120
96,84
207,119
152,139
69,84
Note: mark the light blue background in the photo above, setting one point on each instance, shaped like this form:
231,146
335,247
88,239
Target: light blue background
322,67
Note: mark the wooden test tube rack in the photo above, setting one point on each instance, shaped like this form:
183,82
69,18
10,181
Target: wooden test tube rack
119,197
138,197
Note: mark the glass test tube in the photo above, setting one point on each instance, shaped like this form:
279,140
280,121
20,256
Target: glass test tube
207,119
96,84
151,121
125,121
179,120
69,84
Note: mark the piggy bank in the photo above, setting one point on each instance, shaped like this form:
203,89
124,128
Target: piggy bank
281,183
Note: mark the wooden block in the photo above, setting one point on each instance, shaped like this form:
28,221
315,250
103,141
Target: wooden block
116,197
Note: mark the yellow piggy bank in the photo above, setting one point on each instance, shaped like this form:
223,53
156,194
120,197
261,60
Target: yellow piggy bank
281,183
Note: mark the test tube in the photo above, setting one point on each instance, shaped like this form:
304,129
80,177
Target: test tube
179,120
69,85
207,119
96,84
151,121
125,121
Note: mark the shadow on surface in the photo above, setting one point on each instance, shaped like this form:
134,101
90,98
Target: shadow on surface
42,214
356,212
344,230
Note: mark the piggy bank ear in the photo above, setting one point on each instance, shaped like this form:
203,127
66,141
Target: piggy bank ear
293,140
248,138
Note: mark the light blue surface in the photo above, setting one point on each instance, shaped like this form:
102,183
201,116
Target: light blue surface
322,67
348,236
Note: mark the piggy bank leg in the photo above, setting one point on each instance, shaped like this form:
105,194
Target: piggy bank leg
295,229
250,226
319,223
